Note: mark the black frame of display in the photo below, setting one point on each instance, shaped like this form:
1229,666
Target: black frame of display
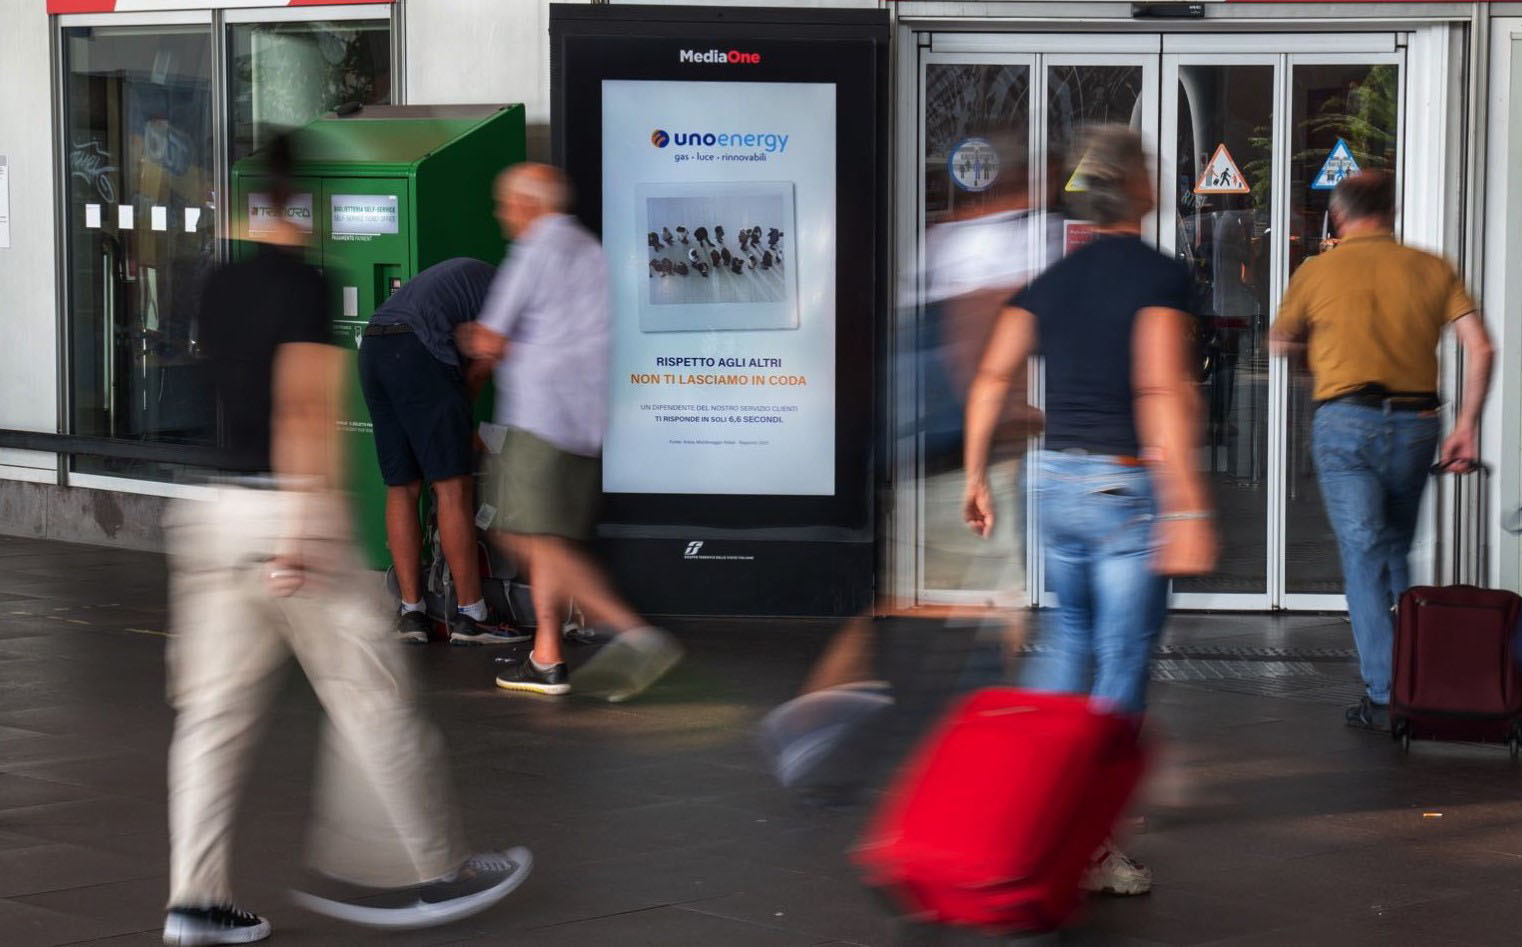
782,554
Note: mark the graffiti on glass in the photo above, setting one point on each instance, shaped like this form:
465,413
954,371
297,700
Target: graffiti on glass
92,165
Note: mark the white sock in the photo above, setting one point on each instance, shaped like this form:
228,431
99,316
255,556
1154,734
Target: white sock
537,665
476,609
411,607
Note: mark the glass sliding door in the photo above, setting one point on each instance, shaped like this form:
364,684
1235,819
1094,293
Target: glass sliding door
140,226
1243,127
1036,101
155,107
1357,105
976,112
1217,175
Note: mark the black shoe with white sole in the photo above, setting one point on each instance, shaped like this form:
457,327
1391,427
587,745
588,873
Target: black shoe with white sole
521,674
480,883
414,627
464,630
218,924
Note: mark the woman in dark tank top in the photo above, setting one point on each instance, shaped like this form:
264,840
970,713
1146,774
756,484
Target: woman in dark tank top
1121,506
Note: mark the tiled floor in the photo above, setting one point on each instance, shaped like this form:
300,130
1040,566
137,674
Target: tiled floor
1266,821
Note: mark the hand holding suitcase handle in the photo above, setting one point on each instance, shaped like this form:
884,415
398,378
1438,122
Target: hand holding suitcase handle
1460,466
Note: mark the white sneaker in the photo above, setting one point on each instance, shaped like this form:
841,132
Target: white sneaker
1111,872
626,666
481,882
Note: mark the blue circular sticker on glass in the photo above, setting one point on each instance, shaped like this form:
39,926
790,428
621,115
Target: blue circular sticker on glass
973,164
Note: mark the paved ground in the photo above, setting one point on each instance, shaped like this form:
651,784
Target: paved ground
654,824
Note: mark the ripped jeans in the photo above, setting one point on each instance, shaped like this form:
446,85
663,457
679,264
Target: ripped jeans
1096,520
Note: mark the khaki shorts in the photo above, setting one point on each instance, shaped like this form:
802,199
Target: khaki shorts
541,490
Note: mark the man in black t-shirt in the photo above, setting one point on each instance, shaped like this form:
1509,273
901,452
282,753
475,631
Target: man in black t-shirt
419,391
265,568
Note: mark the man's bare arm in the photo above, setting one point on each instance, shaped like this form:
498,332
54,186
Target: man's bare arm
1282,343
305,457
1463,443
308,379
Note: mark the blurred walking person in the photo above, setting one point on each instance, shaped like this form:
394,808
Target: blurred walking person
1121,506
264,569
546,325
1369,314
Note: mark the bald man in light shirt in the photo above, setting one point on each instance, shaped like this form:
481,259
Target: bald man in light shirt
546,325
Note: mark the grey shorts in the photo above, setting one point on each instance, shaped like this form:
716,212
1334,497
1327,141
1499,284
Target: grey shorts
541,490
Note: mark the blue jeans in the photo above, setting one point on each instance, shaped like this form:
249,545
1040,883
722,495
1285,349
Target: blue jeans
1372,468
1096,523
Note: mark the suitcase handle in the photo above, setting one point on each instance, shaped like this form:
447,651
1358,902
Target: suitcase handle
1468,465
1460,466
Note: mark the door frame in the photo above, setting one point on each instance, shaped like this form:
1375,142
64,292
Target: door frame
1160,54
1200,53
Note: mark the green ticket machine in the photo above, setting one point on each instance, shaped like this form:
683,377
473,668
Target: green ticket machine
385,192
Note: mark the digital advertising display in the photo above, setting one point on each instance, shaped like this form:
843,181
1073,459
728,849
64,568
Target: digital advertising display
734,164
723,289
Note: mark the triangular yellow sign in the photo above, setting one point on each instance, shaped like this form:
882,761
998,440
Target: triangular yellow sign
1077,182
1221,175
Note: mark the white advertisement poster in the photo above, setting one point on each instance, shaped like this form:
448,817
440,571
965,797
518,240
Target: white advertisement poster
719,226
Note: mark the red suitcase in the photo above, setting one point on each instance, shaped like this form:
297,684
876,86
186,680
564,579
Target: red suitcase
996,816
1455,671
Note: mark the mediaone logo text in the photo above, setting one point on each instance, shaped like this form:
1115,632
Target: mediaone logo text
713,56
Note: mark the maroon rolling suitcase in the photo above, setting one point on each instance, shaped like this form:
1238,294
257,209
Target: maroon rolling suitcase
1456,673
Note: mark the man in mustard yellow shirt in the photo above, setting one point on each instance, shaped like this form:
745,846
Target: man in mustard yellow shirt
1369,315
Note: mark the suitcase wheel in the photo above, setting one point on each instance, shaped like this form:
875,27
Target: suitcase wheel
1514,746
1400,730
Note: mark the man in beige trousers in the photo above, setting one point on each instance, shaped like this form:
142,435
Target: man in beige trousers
263,569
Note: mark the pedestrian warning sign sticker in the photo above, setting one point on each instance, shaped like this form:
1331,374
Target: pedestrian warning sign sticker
1078,181
1221,175
1338,165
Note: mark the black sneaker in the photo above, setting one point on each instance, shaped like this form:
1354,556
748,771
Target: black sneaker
478,884
1367,715
522,675
220,924
414,627
464,630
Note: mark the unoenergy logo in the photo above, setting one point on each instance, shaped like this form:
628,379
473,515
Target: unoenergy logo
771,142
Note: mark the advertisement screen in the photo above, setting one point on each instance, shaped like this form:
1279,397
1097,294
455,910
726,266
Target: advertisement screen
718,220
